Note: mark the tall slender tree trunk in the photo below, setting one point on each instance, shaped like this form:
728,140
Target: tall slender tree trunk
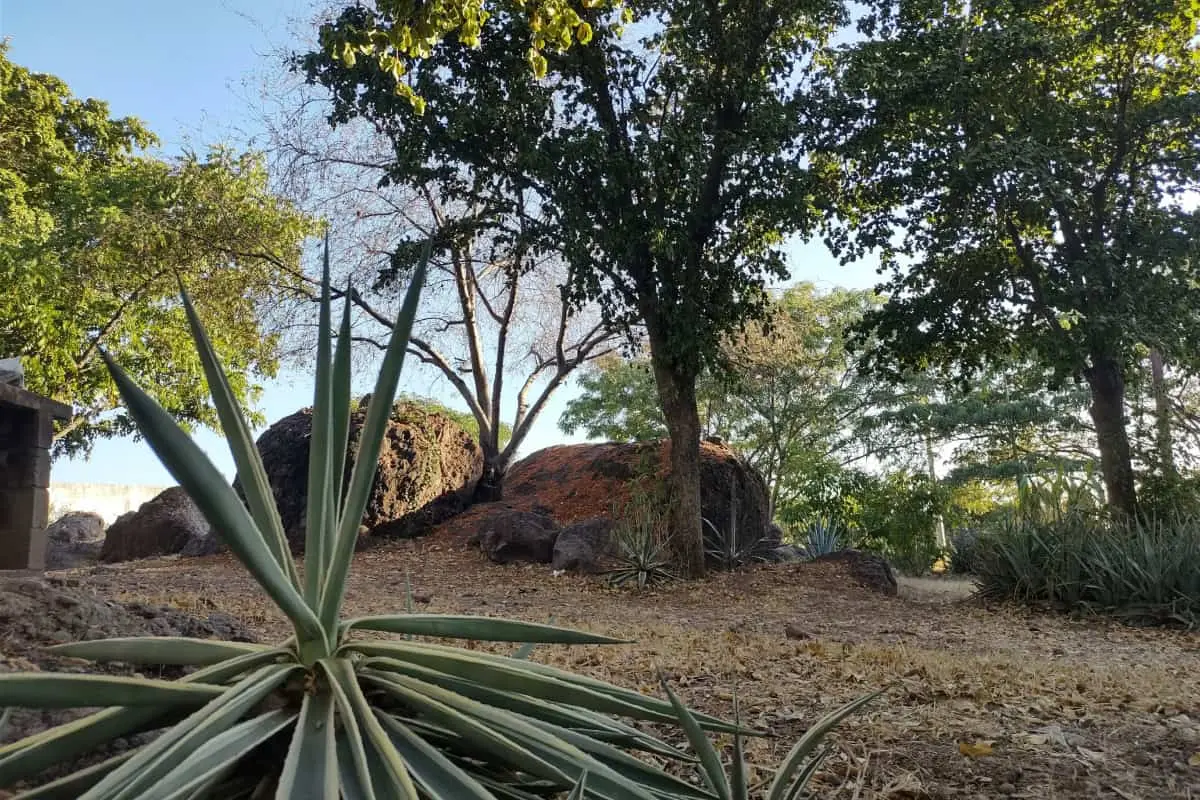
1162,416
677,393
1107,386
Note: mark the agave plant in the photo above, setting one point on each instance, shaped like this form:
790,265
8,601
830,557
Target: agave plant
328,713
639,549
824,536
729,550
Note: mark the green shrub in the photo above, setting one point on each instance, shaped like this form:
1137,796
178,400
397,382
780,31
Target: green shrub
327,713
640,544
1145,571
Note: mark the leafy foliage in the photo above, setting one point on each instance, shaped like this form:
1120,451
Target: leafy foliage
1146,570
93,240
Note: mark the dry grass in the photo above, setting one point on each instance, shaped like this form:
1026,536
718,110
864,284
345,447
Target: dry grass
1044,707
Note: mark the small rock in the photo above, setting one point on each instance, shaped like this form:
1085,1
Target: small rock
1006,788
794,631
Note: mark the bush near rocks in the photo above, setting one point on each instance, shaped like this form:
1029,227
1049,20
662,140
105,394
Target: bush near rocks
428,467
74,539
164,525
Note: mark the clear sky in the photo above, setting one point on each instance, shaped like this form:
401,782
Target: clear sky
176,65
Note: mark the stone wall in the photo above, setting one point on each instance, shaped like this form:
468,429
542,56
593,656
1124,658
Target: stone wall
109,500
26,433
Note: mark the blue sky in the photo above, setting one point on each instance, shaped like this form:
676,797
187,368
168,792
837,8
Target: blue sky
177,66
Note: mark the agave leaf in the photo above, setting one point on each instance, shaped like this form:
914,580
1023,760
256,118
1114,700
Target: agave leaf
525,677
31,755
478,628
437,705
739,777
310,769
5,717
800,781
393,768
580,787
173,650
339,437
215,499
437,775
250,470
176,744
215,758
366,463
644,775
69,787
320,519
710,760
565,716
354,771
64,690
808,744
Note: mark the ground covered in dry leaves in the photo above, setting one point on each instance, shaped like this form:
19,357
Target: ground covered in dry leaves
983,702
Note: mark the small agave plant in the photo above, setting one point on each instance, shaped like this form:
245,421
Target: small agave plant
328,714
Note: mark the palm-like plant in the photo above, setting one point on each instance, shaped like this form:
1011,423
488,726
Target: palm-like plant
327,714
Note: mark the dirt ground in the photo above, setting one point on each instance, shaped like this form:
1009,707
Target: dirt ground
982,702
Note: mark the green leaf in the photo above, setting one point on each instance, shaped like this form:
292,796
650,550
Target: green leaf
259,497
70,787
173,650
216,757
310,769
366,462
320,522
437,775
436,704
340,415
216,500
394,773
478,628
63,690
175,745
710,760
580,787
808,744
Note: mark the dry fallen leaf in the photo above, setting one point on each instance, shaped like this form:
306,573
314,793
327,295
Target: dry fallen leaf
1194,761
976,749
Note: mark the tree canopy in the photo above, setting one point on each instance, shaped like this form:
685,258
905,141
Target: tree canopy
665,164
98,235
1025,170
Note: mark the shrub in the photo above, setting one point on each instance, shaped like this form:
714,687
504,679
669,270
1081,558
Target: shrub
964,551
327,713
1144,571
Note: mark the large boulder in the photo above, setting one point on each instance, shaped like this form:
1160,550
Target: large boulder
583,546
167,524
428,467
508,535
867,569
582,481
74,539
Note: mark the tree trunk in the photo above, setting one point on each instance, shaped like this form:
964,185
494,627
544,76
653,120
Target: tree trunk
677,393
1162,417
1107,386
490,487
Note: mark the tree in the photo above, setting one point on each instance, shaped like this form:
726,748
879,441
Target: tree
96,238
665,166
494,323
1024,168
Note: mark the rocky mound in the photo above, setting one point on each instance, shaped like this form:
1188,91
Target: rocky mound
167,524
74,539
428,467
574,483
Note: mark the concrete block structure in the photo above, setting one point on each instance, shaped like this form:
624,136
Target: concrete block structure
26,434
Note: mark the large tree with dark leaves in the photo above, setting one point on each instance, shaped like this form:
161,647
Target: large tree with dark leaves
664,162
1025,170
